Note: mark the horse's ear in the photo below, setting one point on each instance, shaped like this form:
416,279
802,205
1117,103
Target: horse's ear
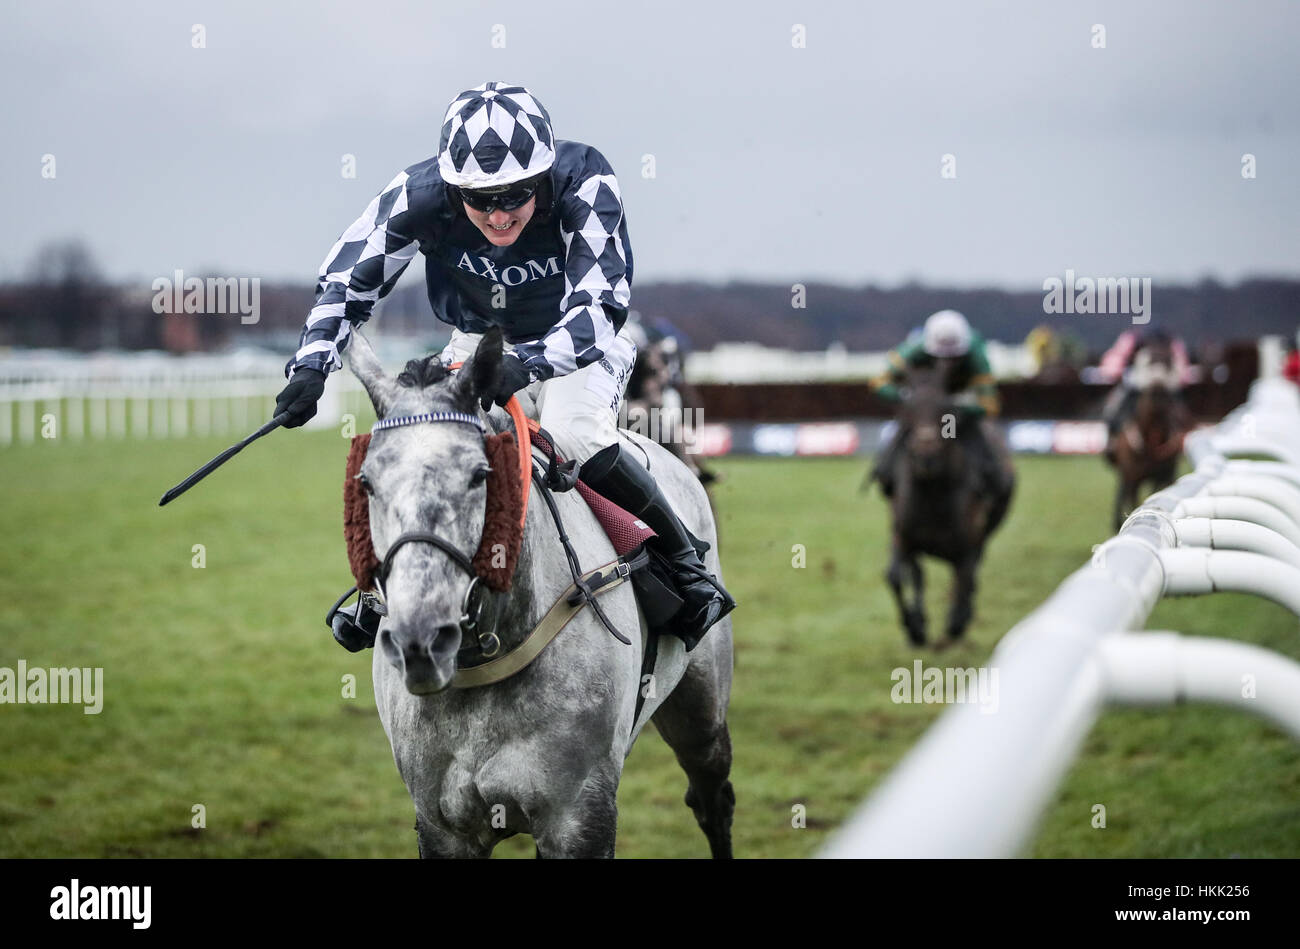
481,371
365,366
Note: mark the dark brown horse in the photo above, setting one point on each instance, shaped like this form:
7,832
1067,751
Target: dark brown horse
1146,447
943,504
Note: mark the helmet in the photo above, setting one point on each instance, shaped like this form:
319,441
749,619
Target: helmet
636,332
946,333
494,134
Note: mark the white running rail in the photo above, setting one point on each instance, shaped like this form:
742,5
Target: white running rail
976,784
51,396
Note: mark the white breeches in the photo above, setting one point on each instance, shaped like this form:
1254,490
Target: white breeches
580,410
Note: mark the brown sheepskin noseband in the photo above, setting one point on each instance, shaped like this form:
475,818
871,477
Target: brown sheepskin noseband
503,532
356,517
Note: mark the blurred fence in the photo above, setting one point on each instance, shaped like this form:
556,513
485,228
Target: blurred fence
976,783
150,395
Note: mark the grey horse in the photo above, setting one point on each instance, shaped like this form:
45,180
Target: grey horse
542,752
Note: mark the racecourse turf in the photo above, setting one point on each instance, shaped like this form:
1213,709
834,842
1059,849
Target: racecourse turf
224,689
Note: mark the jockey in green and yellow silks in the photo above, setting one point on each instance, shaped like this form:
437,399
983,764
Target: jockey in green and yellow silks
949,344
948,337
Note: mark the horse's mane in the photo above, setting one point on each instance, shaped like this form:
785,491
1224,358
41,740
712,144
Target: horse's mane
926,383
422,373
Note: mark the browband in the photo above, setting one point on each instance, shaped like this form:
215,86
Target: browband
399,420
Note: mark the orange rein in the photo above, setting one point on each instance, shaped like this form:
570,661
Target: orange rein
523,429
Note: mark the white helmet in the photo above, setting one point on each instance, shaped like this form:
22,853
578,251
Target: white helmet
946,334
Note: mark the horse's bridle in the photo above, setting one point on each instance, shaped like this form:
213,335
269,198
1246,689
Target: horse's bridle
472,603
474,600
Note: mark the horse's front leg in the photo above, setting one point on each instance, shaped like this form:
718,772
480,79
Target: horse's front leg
1165,475
963,595
583,830
437,842
913,617
1132,490
1121,497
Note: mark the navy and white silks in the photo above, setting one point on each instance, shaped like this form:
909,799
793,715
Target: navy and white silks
560,292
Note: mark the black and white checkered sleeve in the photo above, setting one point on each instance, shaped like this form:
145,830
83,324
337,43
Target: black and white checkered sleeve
597,280
361,268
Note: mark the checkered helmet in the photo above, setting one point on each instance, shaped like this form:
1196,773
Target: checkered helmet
946,333
495,134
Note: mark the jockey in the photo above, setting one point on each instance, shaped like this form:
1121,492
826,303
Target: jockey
525,232
948,341
1137,362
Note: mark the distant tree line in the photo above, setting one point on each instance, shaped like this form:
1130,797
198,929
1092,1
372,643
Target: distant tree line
872,318
64,301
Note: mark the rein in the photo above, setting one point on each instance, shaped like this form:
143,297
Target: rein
583,589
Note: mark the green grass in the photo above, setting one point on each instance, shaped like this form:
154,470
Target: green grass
223,687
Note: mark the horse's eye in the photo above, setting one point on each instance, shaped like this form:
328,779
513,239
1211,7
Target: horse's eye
366,486
479,476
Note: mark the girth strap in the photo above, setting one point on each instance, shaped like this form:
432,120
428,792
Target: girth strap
566,606
624,569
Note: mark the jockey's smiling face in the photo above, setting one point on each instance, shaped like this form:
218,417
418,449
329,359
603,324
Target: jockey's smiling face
500,227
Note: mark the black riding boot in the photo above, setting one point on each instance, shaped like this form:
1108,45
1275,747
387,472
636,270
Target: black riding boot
614,474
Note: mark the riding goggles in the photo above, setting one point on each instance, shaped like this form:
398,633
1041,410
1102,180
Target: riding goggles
506,197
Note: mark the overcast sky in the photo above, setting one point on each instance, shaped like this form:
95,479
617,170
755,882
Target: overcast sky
771,162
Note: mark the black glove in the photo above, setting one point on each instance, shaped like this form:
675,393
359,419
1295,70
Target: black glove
514,376
300,396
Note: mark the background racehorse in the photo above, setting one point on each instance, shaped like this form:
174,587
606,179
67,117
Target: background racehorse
941,505
659,401
540,752
1147,446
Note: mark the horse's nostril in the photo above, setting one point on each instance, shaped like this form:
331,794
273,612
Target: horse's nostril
445,642
422,644
390,647
398,645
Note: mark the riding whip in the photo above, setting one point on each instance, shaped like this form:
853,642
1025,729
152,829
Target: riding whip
222,458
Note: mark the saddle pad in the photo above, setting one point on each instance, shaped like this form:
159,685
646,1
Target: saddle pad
624,530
